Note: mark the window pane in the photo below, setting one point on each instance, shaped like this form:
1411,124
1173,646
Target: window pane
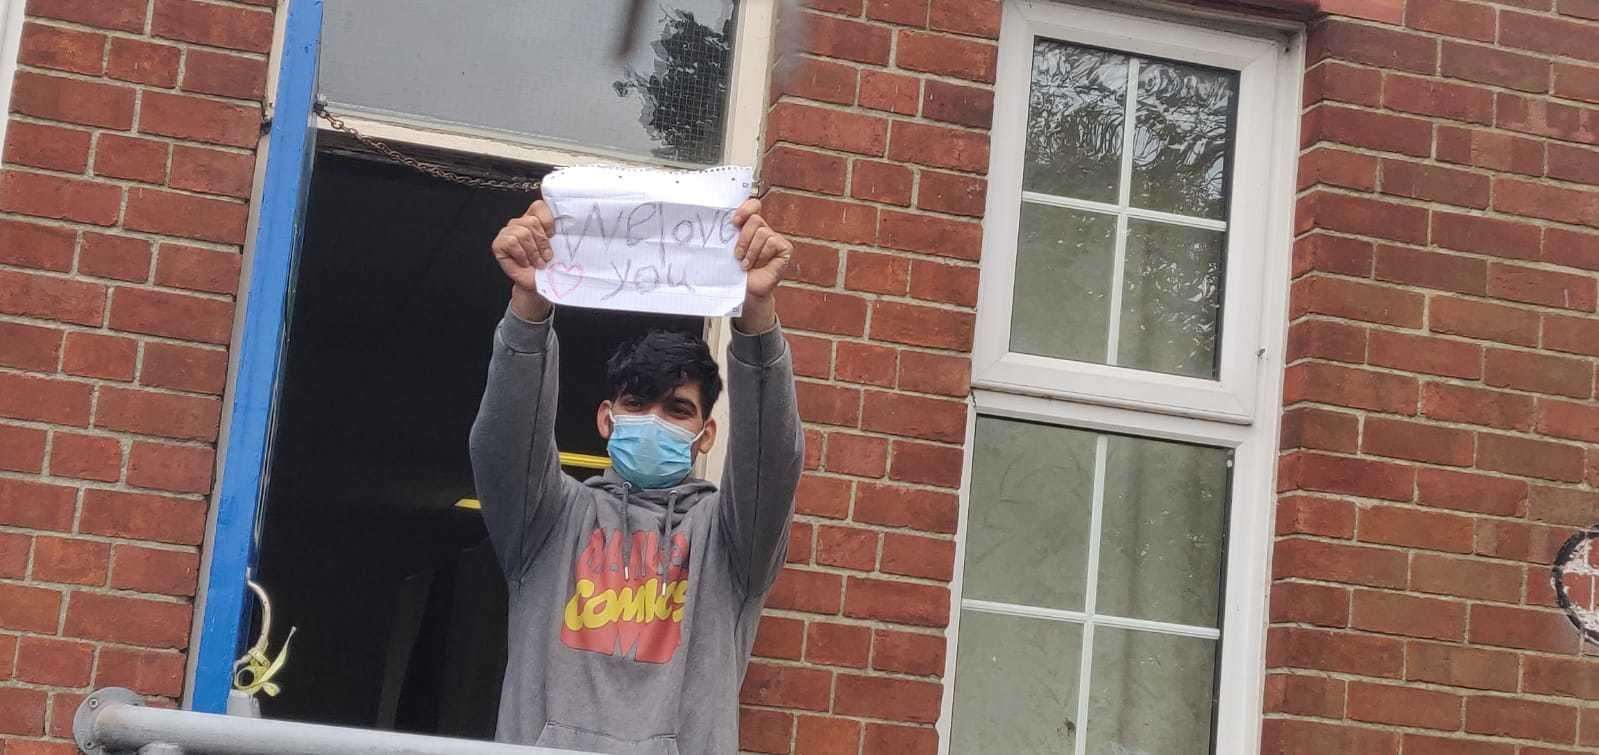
1016,683
540,68
1162,543
1171,299
1076,115
1064,260
1183,139
1027,539
1150,693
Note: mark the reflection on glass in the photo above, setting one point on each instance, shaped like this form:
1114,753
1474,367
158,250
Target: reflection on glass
1151,693
1016,685
1031,492
538,70
1171,299
1061,306
1162,543
1183,139
1075,119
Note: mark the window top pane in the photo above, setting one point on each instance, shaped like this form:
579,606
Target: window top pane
544,70
1076,117
1183,138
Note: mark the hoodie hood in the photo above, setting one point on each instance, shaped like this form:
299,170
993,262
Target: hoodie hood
670,504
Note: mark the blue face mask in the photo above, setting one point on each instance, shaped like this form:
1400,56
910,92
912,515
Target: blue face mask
649,451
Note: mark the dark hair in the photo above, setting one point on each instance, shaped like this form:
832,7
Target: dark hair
653,366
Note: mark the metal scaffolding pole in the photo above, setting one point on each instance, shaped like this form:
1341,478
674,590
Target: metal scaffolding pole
115,720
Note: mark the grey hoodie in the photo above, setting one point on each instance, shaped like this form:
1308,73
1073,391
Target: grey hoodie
632,612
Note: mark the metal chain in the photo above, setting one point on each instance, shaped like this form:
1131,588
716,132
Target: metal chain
437,171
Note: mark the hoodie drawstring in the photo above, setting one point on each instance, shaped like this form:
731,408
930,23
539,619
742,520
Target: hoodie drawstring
627,532
667,527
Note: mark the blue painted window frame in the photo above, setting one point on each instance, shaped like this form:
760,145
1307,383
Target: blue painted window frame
280,222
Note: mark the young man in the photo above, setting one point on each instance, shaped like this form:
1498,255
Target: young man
635,595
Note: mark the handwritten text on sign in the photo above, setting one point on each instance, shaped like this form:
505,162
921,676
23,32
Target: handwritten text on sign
645,240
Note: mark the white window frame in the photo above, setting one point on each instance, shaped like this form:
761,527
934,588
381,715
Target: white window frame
1261,64
1240,412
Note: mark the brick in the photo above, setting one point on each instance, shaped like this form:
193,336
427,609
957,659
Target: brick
946,56
1574,164
897,601
1542,373
822,311
938,147
85,103
815,79
947,284
1519,542
1385,11
1300,737
1547,34
764,731
144,62
1433,356
1361,477
907,652
813,357
881,182
1416,441
820,218
917,325
914,416
185,117
829,404
1326,339
173,315
1564,419
878,273
1524,628
1488,65
1372,130
916,556
1415,528
975,17
1533,458
811,591
902,12
1344,386
1369,217
1337,562
1404,706
127,620
151,413
1451,18
1299,602
1536,286
78,562
1560,676
226,75
826,734
1434,184
144,671
1466,578
44,146
30,609
786,686
116,257
1457,666
1305,695
1340,297
1579,8
1568,506
838,644
1394,613
198,269
1332,80
64,402
1547,202
929,234
960,105
1491,236
866,363
97,355
143,516
799,543
1325,650
87,457
50,196
885,698
952,193
186,216
1577,335
847,548
823,496
21,448
62,49
1527,719
1570,248
1474,319
22,713
121,15
1309,515
845,7
37,505
1542,117
846,40
1490,149
15,551
183,469
891,92
214,25
809,171
815,264
1448,272
34,245
211,171
915,508
1576,82
832,129
151,570
1477,493
777,637
1336,167
1373,46
933,373
29,347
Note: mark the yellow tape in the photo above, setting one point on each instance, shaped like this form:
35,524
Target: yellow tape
579,461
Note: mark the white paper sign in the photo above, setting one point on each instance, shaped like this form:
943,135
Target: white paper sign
646,240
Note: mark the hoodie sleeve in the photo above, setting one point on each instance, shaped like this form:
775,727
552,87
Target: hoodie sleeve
766,450
515,465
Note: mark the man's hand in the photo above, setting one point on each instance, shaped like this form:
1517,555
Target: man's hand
764,254
523,248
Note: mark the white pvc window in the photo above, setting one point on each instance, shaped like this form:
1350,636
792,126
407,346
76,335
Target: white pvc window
1110,587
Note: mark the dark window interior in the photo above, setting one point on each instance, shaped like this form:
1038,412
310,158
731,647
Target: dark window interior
398,602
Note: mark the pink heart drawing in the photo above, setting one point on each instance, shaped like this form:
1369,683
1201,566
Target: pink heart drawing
569,272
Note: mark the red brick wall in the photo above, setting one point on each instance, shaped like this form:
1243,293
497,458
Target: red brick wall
123,200
877,144
1441,438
